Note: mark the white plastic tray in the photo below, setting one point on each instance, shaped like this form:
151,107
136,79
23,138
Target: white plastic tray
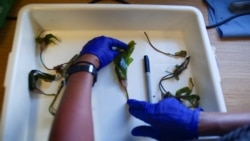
171,28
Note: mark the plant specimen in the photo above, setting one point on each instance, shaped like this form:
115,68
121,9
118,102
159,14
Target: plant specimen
35,76
43,42
182,93
178,69
185,94
62,68
60,71
52,108
181,53
122,61
175,74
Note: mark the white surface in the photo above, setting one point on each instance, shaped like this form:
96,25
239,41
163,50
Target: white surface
170,28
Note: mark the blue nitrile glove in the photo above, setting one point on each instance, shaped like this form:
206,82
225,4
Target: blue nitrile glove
103,48
169,120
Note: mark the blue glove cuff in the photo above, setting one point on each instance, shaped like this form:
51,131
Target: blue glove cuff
194,124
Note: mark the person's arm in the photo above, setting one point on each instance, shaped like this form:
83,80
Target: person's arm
215,123
74,116
169,118
73,120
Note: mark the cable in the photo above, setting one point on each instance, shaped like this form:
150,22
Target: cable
120,1
94,1
227,20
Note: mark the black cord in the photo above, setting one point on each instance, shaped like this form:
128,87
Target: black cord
94,1
227,20
120,1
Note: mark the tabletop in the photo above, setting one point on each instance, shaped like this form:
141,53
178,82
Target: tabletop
232,54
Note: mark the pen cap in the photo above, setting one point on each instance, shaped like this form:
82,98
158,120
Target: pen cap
146,63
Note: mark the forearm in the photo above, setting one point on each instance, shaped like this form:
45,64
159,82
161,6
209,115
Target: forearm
212,123
73,120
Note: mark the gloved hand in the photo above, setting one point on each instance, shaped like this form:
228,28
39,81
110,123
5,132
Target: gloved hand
169,120
103,48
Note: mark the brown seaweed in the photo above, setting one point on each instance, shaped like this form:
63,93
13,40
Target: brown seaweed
181,53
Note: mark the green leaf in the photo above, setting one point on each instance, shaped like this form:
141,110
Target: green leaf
181,53
122,62
47,39
185,91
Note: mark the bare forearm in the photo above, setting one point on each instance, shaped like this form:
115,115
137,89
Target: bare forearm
73,120
212,123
